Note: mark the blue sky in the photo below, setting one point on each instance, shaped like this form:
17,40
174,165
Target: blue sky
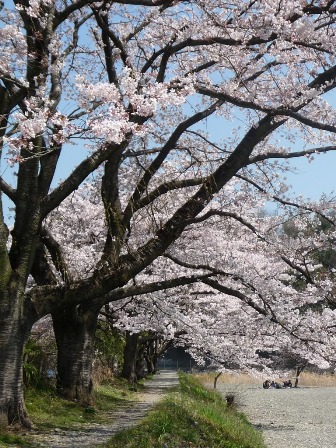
312,179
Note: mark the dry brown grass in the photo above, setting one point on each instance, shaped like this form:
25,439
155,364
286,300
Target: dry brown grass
314,379
227,378
305,379
102,374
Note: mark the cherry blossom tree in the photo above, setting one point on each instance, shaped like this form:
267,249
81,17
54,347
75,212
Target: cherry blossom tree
136,86
254,303
290,296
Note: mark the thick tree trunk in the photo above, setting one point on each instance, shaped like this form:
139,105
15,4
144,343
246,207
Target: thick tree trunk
130,357
14,330
75,337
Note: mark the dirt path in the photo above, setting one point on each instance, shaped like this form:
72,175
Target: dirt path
298,418
90,435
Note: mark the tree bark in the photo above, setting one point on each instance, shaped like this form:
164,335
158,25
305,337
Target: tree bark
299,370
151,355
14,330
130,357
75,337
216,379
151,367
140,364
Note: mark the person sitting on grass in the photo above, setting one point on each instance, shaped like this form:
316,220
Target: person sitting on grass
266,384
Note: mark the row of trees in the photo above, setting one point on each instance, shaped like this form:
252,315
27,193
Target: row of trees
183,114
117,353
275,303
227,326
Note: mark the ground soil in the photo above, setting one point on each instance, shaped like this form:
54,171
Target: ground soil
304,417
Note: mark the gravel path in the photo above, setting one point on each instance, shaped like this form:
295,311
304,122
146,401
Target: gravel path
298,418
90,435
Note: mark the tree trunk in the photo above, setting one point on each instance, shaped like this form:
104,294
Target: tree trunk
140,364
150,364
14,330
216,379
130,357
151,356
299,370
75,337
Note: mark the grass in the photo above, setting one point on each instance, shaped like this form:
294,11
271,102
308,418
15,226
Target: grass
306,379
227,378
316,380
13,440
192,417
48,411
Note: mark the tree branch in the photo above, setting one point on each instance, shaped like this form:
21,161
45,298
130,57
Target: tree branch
80,173
224,214
151,3
59,297
61,16
284,202
107,32
160,158
5,266
165,188
56,254
235,293
8,190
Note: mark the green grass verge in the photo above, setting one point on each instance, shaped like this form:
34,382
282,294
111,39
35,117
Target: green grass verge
192,417
13,440
48,411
